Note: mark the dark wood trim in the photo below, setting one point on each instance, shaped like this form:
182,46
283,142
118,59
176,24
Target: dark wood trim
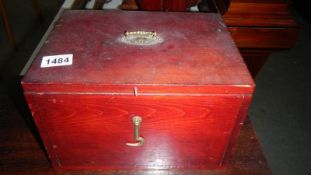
7,24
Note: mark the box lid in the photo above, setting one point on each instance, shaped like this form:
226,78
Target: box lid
141,52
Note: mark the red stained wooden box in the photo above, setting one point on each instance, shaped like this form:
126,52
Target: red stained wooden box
190,88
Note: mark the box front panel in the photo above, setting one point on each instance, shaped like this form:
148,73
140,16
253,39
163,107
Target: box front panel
91,131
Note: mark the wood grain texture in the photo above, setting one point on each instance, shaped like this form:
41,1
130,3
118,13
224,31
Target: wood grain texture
180,132
21,154
263,38
190,91
254,24
260,27
141,89
268,25
188,57
259,9
239,122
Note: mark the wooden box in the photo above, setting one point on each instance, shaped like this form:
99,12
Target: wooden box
144,90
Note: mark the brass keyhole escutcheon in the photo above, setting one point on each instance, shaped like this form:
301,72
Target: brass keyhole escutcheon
139,140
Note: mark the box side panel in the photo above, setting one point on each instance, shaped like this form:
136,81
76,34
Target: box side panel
236,130
43,130
91,131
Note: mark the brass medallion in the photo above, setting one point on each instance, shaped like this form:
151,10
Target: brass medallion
141,38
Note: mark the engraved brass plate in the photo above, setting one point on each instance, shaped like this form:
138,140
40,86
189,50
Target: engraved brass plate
141,38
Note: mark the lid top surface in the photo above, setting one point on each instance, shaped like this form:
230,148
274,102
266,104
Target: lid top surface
195,49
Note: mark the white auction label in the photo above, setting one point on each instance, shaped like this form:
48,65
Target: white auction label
57,60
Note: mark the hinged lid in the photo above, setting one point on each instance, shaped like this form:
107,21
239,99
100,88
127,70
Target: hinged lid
154,52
